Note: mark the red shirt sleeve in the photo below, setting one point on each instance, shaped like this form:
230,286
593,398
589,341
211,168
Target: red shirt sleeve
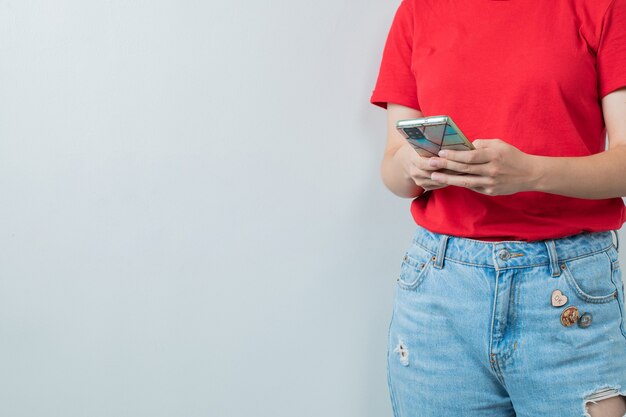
611,55
396,82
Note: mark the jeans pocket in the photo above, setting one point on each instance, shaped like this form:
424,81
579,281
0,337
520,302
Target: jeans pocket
415,265
591,277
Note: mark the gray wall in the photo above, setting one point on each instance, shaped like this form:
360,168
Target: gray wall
192,221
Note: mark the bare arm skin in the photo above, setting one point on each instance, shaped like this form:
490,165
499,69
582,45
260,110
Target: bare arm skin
497,168
403,171
597,176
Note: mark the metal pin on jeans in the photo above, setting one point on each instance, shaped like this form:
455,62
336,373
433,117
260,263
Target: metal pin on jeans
570,316
585,320
558,299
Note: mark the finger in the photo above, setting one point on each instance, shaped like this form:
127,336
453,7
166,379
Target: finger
485,143
477,156
420,174
484,190
466,181
422,163
476,169
431,185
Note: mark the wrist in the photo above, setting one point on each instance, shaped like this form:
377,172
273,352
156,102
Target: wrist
394,170
403,158
404,155
538,173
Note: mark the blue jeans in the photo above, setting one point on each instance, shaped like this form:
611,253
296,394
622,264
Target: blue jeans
511,328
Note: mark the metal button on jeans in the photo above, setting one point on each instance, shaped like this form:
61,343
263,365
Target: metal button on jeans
504,254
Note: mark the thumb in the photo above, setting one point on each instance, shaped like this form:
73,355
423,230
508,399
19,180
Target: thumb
480,143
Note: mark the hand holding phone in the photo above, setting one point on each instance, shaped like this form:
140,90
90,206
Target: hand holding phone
429,135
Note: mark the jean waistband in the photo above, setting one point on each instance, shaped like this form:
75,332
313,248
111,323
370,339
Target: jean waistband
515,253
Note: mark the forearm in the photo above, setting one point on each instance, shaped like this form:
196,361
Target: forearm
395,177
597,176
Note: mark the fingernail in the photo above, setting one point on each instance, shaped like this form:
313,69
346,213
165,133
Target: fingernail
443,154
435,176
433,162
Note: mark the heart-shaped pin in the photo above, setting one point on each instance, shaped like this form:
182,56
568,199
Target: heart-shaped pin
558,298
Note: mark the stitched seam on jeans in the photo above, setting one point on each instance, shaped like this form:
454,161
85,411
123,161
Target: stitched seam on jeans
540,264
595,299
425,248
507,355
620,304
493,266
584,255
516,308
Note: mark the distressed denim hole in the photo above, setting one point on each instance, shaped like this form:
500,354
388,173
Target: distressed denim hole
605,402
403,352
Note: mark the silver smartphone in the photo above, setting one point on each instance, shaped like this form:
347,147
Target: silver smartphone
429,135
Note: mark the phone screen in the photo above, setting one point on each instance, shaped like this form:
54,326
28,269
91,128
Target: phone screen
429,138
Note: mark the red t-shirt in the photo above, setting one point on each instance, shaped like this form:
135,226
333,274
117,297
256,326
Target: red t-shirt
531,73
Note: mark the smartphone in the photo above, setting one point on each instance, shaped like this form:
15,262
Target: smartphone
429,135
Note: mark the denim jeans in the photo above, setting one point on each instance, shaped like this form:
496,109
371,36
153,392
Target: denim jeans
509,328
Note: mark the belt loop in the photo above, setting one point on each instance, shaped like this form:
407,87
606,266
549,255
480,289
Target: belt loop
554,260
441,252
616,239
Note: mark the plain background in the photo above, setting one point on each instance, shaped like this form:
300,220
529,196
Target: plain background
192,219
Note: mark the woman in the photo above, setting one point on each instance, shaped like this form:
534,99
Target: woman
510,299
